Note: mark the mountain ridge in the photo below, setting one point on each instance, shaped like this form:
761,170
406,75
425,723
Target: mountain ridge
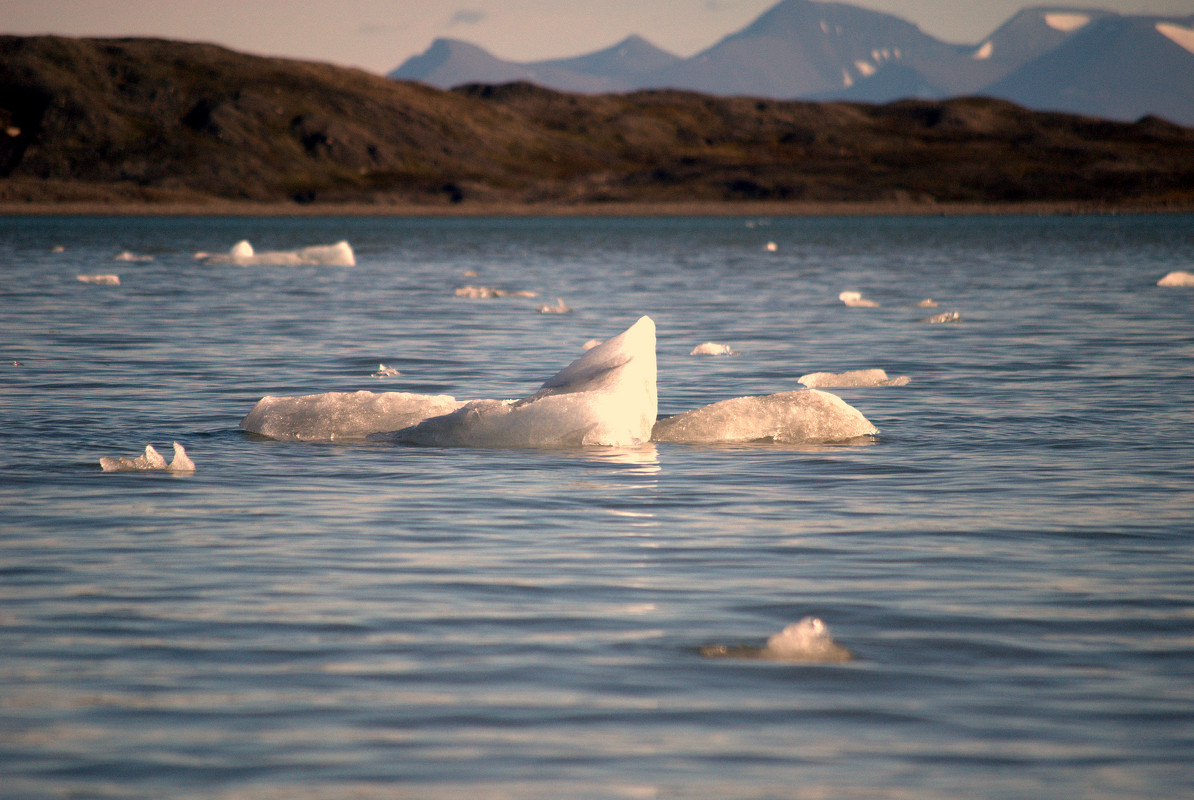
803,49
164,123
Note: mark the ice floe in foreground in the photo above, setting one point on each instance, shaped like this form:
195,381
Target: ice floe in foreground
1179,277
330,255
338,416
608,397
149,461
805,415
857,377
808,640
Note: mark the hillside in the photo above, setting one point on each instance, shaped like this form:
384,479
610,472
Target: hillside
137,120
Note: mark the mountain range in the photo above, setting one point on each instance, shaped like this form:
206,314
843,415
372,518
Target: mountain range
1084,61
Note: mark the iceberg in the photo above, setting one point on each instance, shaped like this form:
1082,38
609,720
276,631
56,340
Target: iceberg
150,460
804,415
857,377
943,317
328,255
808,640
606,397
339,416
1179,277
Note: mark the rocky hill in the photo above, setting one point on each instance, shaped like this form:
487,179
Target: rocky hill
138,120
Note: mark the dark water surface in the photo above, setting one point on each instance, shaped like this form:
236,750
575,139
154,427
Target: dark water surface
1010,560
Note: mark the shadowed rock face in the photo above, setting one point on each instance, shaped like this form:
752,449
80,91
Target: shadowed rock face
142,120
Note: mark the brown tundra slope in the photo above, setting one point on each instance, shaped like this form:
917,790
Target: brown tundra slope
151,121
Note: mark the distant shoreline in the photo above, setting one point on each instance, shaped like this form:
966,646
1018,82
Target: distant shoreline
612,209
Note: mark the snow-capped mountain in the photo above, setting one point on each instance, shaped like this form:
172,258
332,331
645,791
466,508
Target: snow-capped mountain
1085,61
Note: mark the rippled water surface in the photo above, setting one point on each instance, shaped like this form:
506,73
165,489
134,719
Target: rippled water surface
1010,560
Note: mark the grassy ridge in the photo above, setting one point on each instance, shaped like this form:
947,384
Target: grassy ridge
151,121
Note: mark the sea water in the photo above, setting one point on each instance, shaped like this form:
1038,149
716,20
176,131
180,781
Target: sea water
1009,560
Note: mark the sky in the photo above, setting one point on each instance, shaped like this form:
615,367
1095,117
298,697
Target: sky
378,35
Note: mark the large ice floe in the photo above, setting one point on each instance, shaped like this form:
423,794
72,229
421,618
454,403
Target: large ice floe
606,397
151,460
808,640
329,255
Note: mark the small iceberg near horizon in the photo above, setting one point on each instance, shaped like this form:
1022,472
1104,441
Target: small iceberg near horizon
242,253
100,280
712,349
150,460
806,641
857,377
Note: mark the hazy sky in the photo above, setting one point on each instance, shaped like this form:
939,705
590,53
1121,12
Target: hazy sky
378,35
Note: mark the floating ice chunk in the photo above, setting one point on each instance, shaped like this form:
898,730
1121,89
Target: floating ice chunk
928,302
130,256
336,416
103,280
329,255
1178,277
149,461
805,415
490,292
856,300
385,372
945,316
559,308
606,397
712,349
771,247
857,377
808,640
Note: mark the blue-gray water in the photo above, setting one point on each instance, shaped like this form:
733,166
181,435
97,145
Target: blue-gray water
1010,560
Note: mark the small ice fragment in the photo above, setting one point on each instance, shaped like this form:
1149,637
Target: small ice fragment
771,247
130,256
928,302
490,292
58,249
150,460
385,372
103,280
856,300
1179,277
945,316
806,641
857,377
712,349
559,308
